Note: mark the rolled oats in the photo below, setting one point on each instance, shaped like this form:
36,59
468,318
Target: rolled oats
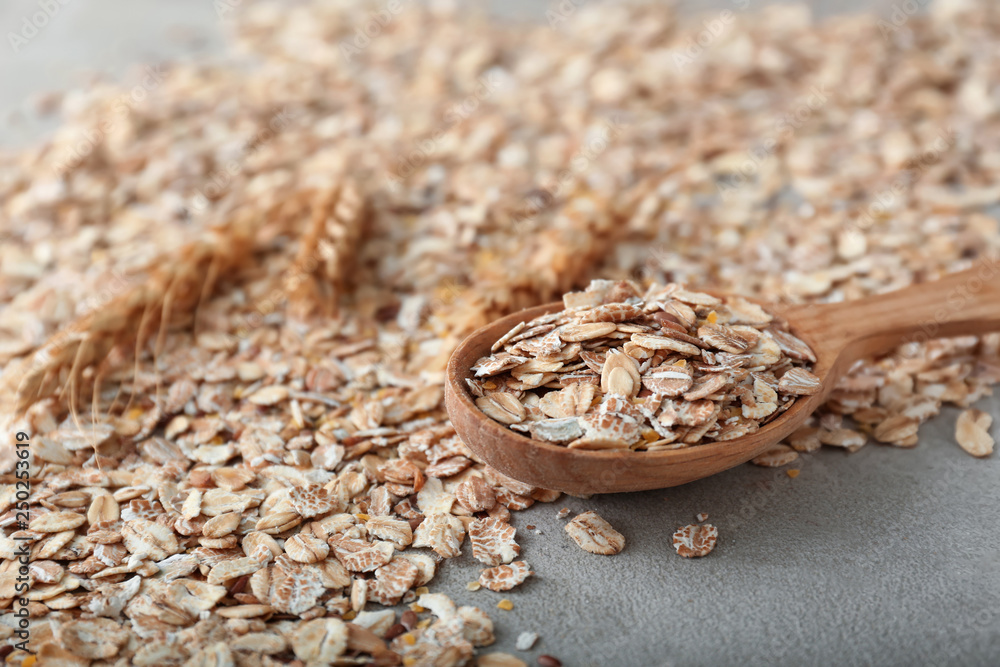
694,541
799,382
231,569
312,500
45,571
392,581
972,434
149,539
261,643
805,440
493,541
775,456
441,532
269,395
221,525
293,348
475,495
57,522
594,534
505,577
320,641
396,531
897,429
103,507
304,548
666,357
278,522
847,438
477,628
294,588
95,639
361,556
426,566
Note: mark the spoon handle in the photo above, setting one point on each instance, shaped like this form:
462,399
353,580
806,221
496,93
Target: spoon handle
958,304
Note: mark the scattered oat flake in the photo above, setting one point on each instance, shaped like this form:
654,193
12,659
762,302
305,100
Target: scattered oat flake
775,456
505,604
392,580
475,495
505,577
441,532
702,517
594,534
694,541
493,541
846,438
526,640
897,428
972,434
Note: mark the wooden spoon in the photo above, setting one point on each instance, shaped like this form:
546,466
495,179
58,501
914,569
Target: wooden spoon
965,303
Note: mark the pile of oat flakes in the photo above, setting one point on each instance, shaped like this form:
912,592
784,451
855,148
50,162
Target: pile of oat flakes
625,368
226,335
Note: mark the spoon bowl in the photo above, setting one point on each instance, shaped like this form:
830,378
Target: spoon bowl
965,303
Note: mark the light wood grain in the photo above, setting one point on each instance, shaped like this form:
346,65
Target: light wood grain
962,303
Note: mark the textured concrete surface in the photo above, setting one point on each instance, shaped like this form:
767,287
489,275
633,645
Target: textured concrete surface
884,557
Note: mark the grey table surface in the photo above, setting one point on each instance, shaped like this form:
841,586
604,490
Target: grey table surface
884,557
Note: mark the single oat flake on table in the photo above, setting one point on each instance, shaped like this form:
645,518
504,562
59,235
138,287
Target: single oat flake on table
972,432
643,369
695,541
592,533
233,390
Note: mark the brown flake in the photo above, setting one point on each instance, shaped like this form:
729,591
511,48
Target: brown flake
493,541
799,382
594,534
441,532
971,432
475,495
896,429
360,556
775,456
392,580
396,531
57,522
695,541
501,406
505,577
611,312
320,641
576,333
